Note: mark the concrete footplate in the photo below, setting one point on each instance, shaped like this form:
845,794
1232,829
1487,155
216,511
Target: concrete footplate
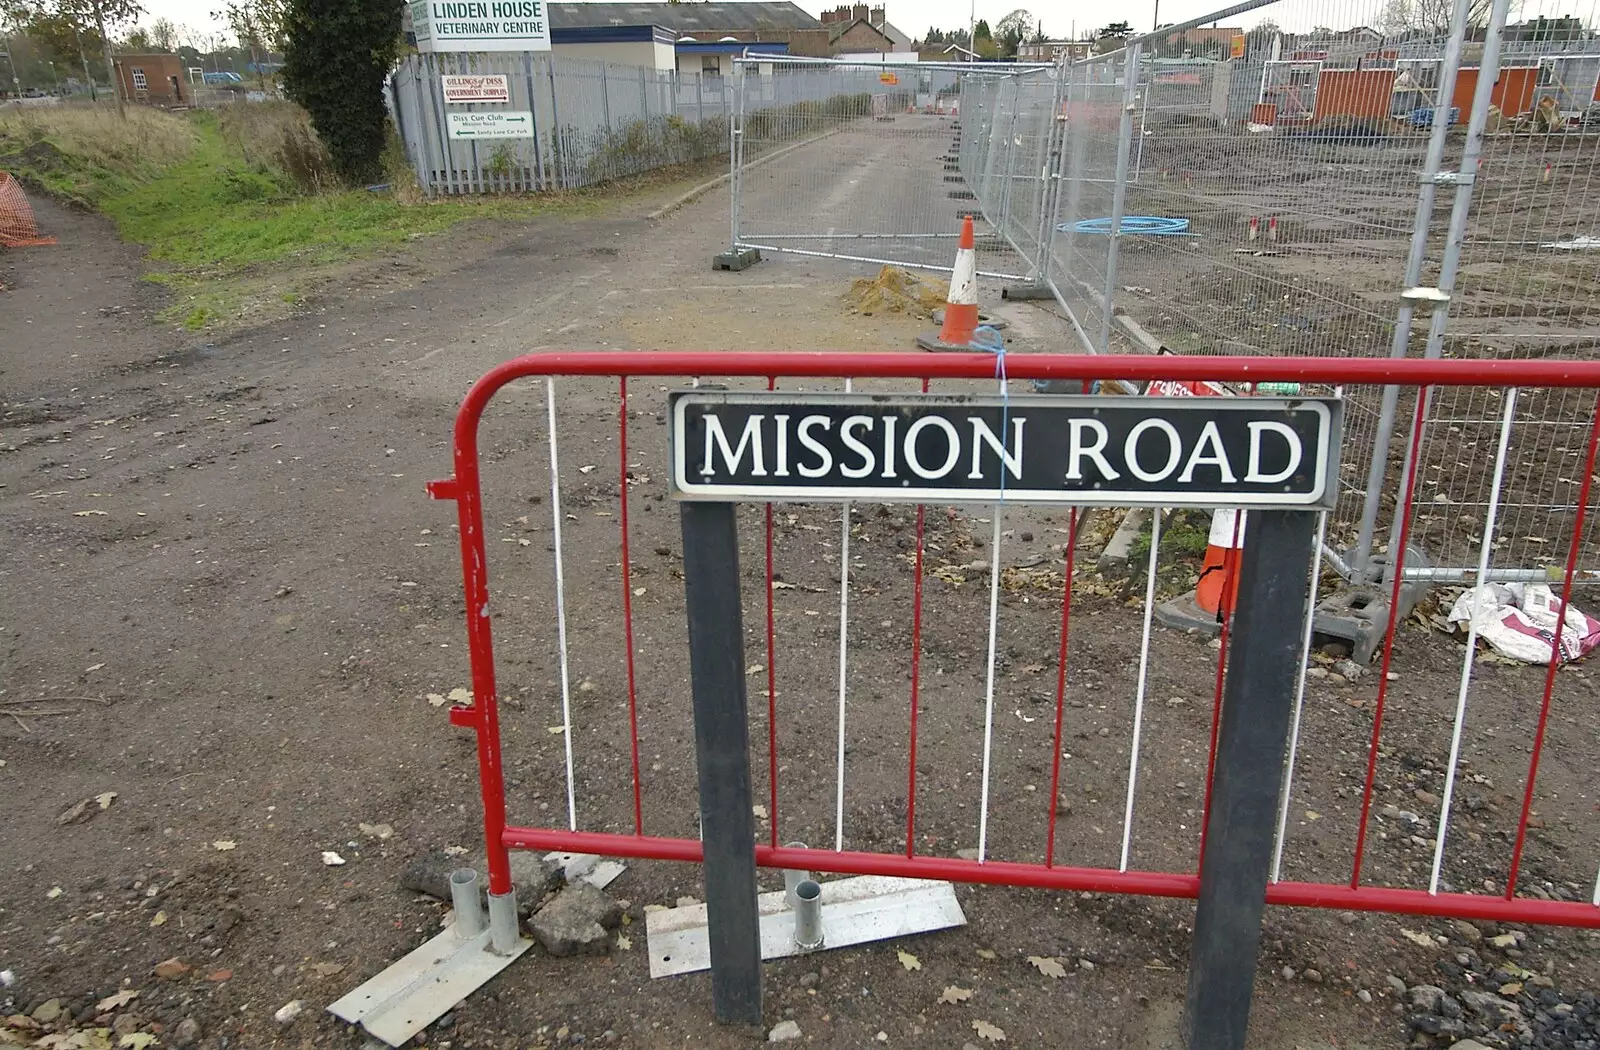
854,911
737,260
425,985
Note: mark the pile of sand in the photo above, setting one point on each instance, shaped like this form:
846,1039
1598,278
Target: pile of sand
895,291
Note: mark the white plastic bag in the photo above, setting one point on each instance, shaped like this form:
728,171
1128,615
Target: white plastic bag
1519,620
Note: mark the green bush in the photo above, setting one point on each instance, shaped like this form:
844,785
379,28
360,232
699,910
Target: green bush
338,54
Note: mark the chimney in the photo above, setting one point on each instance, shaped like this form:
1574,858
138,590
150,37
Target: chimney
858,11
879,16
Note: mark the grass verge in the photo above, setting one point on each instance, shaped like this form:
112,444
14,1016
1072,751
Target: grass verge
232,207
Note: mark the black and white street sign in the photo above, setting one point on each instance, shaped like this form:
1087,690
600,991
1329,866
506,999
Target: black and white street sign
1092,451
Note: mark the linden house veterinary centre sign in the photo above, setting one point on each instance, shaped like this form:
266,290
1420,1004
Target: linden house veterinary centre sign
481,25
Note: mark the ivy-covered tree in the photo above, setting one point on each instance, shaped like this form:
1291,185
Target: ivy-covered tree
336,56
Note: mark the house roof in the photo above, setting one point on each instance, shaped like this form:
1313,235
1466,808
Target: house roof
839,29
899,39
683,18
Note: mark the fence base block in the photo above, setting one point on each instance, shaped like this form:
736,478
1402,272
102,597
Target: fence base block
425,985
854,911
1183,613
1027,292
736,260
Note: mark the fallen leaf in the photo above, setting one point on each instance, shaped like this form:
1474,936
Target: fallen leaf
1047,966
755,668
105,798
1504,940
377,831
1511,989
76,813
1312,814
160,919
555,730
638,592
171,969
953,995
759,811
586,470
985,953
988,1031
454,851
55,891
436,699
326,969
218,976
460,696
1419,939
137,1040
224,845
909,961
624,942
118,1000
332,859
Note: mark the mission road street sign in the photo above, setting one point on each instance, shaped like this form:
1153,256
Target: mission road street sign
1279,453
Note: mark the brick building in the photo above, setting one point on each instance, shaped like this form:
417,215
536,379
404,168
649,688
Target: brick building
155,79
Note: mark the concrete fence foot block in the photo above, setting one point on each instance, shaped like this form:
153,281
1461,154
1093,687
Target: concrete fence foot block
1027,292
737,260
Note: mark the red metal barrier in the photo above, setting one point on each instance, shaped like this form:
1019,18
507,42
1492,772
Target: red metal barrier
483,714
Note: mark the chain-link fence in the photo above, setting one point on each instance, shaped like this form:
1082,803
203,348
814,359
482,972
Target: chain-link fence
1336,191
867,173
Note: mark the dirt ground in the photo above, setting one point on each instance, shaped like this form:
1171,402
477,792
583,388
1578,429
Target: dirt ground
227,600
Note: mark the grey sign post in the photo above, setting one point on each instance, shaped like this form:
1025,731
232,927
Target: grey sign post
1278,457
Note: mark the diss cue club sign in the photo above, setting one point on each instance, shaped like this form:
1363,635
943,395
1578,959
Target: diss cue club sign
1107,451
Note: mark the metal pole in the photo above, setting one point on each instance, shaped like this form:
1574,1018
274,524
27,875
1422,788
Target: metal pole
1460,208
736,147
558,161
1050,186
1361,560
1119,196
538,125
722,753
1263,664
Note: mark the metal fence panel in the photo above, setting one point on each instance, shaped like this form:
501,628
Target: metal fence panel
593,122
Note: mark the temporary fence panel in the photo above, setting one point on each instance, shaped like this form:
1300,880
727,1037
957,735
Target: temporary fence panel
887,760
849,161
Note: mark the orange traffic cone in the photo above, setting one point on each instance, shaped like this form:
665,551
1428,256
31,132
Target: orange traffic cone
961,306
1218,590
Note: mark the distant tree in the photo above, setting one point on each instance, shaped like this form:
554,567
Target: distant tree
337,54
1012,30
70,28
137,41
935,36
1258,41
1430,18
163,35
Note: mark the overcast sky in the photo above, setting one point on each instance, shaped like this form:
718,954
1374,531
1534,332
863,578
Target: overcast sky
1059,17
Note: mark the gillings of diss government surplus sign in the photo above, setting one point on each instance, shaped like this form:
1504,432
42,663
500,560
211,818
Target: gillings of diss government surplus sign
1106,451
481,25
